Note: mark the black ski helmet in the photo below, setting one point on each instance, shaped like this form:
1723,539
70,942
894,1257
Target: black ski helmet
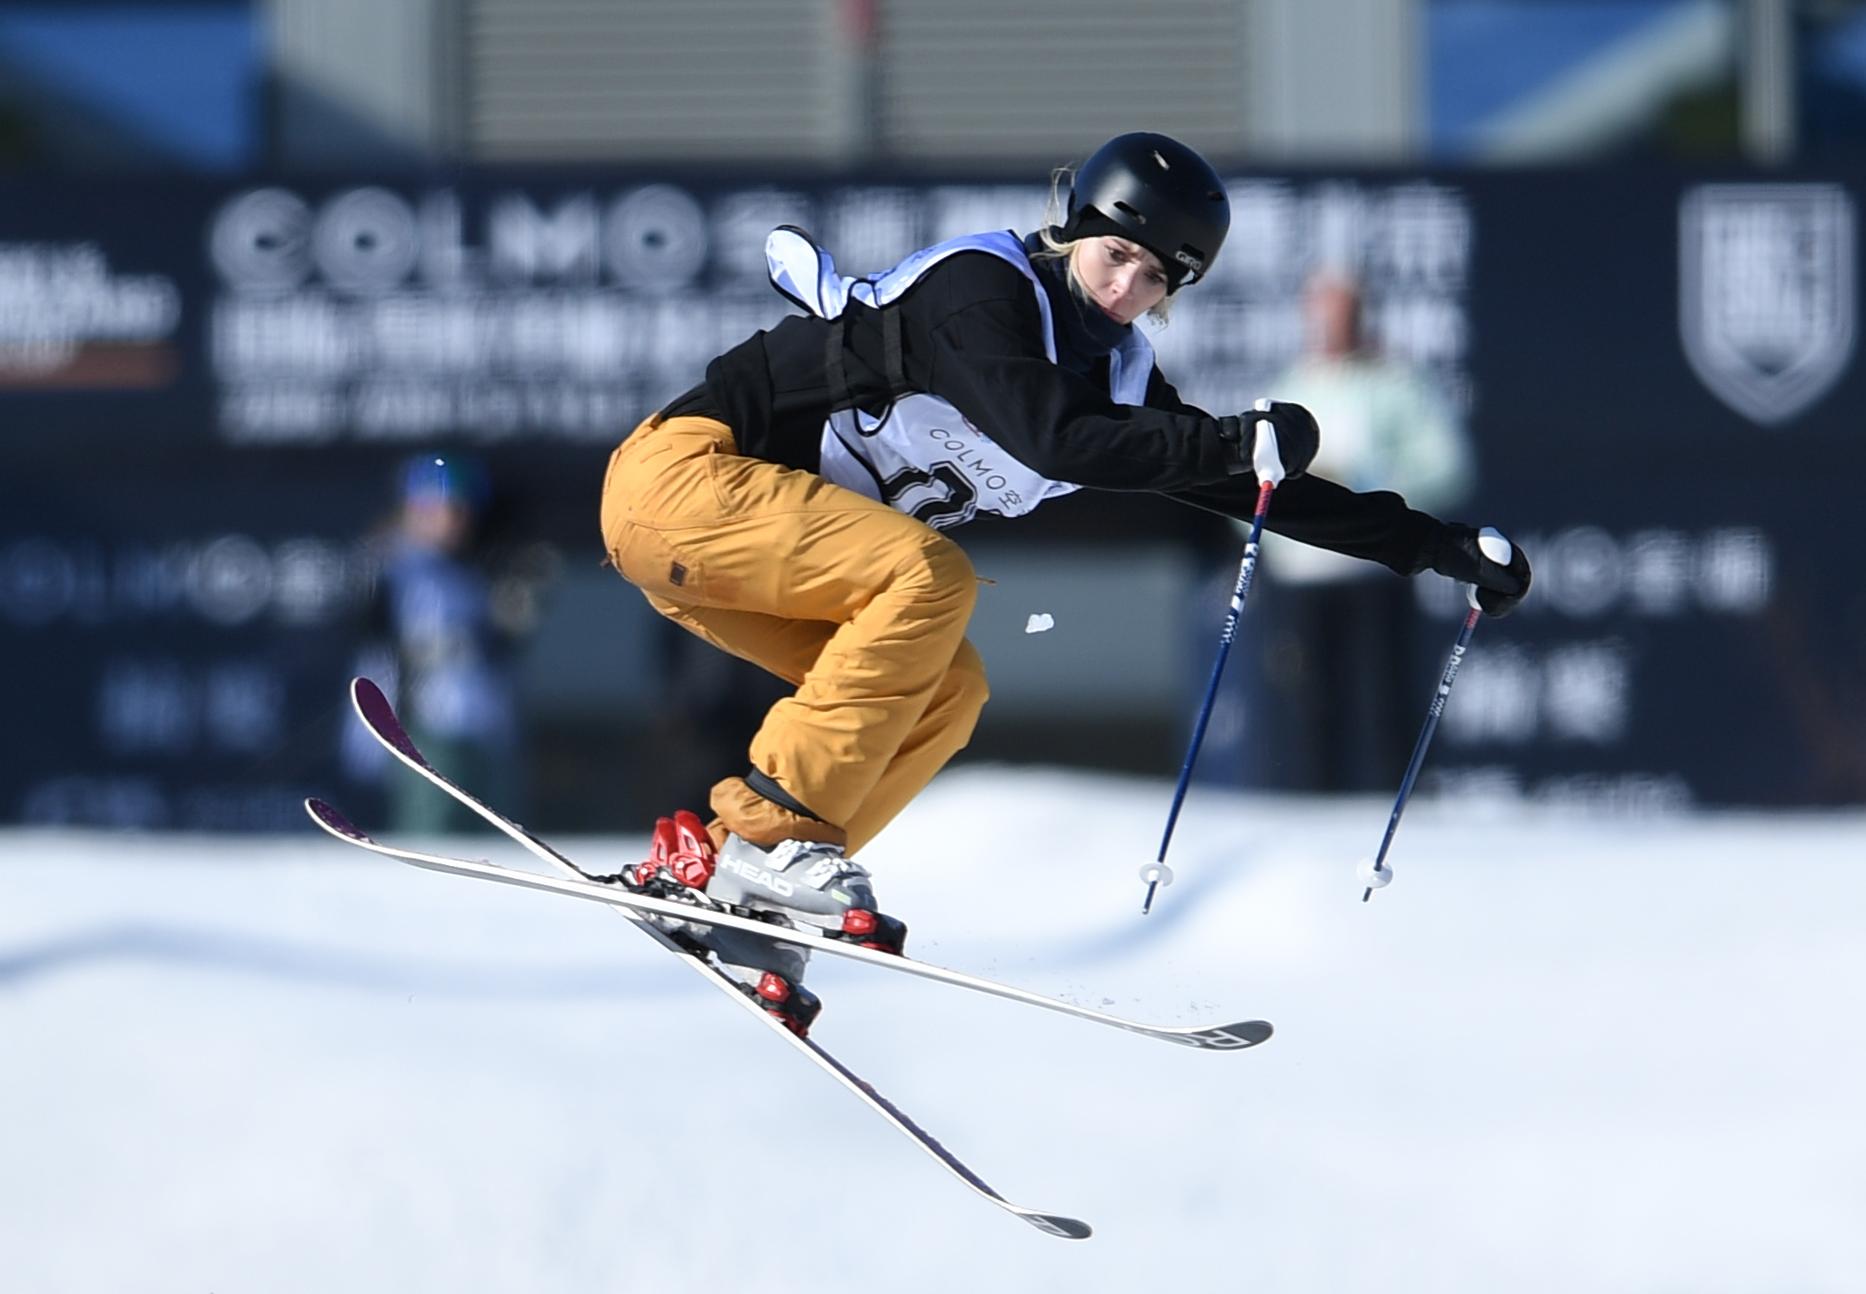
1153,190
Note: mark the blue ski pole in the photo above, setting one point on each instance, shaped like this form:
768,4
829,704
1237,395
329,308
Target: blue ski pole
1268,465
1376,874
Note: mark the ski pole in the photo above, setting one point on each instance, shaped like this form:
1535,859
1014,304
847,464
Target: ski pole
1376,874
1268,465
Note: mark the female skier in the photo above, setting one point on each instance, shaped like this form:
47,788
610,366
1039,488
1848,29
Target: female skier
791,510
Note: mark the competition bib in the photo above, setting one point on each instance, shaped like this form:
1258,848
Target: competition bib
922,456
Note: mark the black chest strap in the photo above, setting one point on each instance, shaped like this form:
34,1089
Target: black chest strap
893,355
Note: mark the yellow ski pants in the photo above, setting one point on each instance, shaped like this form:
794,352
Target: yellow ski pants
862,607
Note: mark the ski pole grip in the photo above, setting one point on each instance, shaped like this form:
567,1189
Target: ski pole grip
1265,458
1492,544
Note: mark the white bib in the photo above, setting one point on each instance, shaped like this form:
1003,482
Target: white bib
922,456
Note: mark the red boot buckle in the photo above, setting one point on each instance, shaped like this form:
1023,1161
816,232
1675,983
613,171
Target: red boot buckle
872,930
682,847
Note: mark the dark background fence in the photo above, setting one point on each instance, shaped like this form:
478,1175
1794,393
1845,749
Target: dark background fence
208,388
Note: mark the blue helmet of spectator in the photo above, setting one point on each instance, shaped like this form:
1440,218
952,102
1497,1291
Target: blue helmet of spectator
444,478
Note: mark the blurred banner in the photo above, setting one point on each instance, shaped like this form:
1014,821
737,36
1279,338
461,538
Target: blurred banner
207,390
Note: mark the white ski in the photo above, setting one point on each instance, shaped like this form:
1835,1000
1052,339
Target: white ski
379,717
1228,1037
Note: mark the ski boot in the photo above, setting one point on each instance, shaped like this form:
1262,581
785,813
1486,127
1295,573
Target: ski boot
794,885
679,867
807,884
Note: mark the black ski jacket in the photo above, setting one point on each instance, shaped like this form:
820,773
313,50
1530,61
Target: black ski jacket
971,333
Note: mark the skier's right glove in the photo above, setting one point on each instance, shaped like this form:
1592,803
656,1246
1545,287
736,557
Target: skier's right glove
1297,437
1499,587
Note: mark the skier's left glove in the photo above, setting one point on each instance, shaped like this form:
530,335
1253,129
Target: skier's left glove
1297,437
1499,587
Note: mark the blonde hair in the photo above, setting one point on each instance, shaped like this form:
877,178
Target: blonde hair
1055,248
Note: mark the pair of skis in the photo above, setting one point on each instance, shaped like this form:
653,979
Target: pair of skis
379,718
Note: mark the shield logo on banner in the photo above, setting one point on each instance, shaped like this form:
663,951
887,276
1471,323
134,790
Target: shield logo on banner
1766,293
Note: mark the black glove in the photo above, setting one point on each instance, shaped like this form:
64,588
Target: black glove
1297,437
1499,588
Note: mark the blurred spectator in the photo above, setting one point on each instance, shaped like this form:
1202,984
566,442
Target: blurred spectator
1336,700
444,623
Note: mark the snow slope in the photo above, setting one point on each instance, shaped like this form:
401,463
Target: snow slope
1555,1055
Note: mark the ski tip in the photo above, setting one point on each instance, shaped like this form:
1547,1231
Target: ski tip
329,816
375,711
372,707
1255,1031
1056,1225
1228,1037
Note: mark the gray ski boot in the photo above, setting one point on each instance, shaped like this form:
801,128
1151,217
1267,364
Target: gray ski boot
796,884
805,883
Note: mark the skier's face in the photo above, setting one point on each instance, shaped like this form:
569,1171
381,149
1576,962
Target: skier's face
1123,278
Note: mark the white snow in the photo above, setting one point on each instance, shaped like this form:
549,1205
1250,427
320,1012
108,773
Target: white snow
1554,1055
